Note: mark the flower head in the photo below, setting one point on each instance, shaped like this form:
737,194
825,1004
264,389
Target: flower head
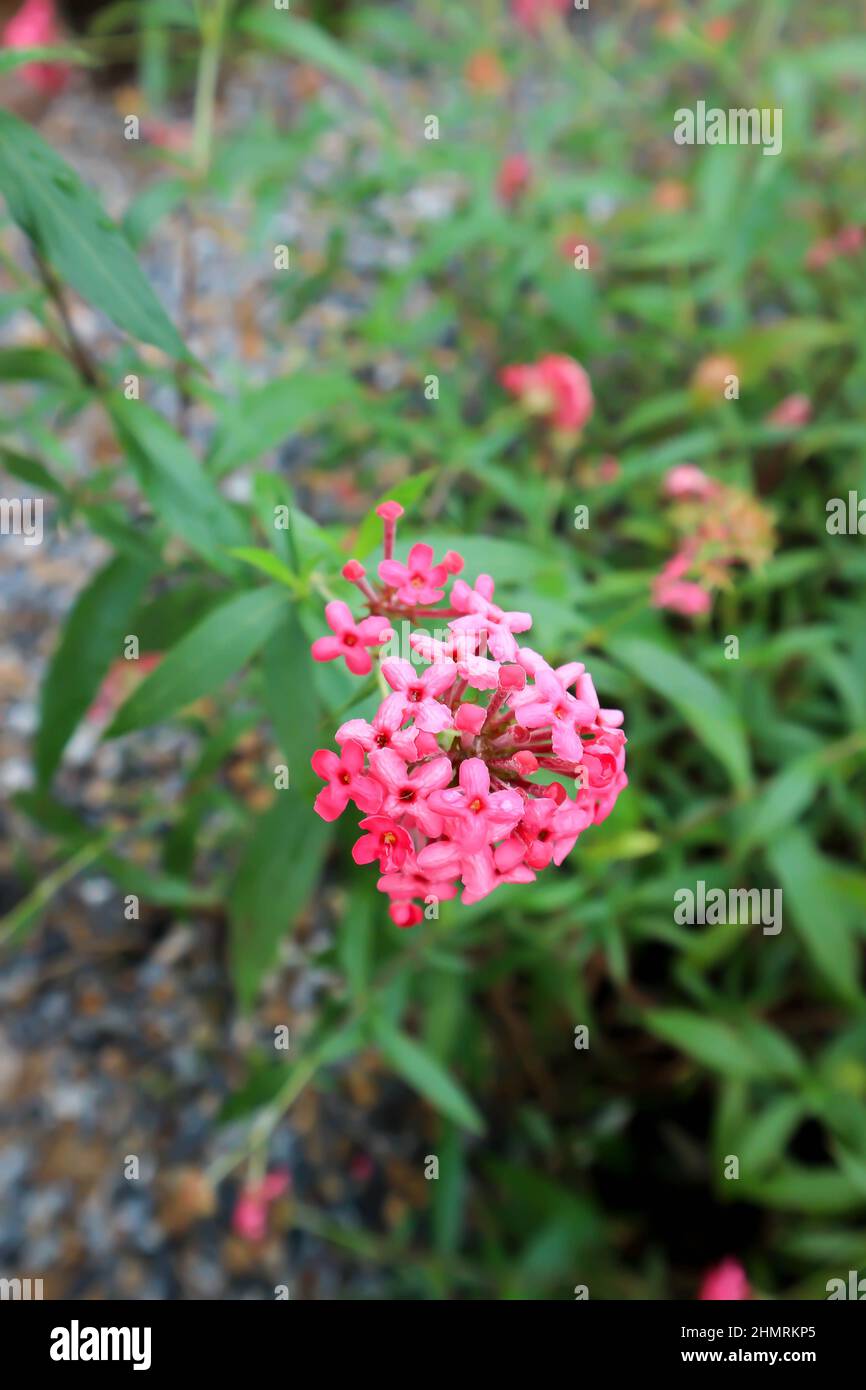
35,25
555,387
444,769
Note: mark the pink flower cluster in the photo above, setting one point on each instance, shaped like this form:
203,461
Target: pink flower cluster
555,387
35,25
443,772
721,527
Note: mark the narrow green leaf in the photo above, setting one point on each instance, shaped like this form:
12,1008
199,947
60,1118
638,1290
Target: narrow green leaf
61,216
213,651
817,912
182,495
92,638
261,419
278,872
701,703
427,1076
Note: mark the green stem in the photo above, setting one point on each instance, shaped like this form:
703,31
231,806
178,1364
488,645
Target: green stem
212,29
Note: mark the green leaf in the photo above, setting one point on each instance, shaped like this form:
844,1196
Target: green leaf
818,913
285,33
427,1076
11,58
290,700
51,204
36,364
92,638
204,659
278,872
700,702
266,562
710,1041
263,418
184,498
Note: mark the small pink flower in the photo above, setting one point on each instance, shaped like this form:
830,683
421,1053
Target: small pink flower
513,179
350,638
418,582
250,1215
386,841
408,793
726,1281
347,781
846,242
531,14
418,691
792,413
35,25
483,815
556,387
687,480
683,596
385,730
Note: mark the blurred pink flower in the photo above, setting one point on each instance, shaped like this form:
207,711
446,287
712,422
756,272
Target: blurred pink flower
35,25
120,681
683,596
556,387
513,179
725,1281
250,1215
531,14
687,480
846,242
791,413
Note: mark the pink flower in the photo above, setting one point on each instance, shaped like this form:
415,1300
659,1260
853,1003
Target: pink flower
385,730
725,1281
531,14
35,25
417,582
385,840
250,1215
513,179
556,387
418,692
408,793
683,596
444,768
347,781
350,638
686,480
846,242
791,413
482,815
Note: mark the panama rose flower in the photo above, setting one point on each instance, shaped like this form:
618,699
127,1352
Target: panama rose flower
532,14
726,1281
419,580
513,179
846,242
350,639
35,25
444,769
347,781
555,387
250,1215
792,413
720,527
